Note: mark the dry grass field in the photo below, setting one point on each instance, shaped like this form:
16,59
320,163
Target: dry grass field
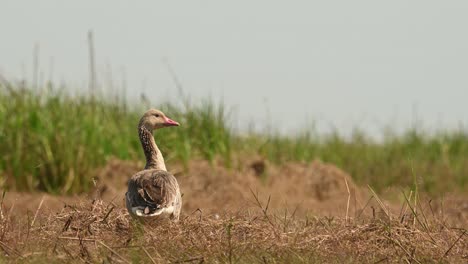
301,213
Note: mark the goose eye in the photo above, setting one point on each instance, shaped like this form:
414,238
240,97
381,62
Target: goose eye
156,115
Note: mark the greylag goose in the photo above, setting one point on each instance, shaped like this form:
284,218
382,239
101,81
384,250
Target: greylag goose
153,192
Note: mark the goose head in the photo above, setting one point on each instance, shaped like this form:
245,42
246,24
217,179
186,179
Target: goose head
155,119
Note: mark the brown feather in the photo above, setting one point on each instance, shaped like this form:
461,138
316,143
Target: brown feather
153,189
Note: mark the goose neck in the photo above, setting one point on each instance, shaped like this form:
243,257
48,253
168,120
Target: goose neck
154,157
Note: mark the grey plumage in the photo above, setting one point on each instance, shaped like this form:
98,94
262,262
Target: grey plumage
153,192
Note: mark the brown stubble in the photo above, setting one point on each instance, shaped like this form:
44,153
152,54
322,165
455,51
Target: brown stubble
97,231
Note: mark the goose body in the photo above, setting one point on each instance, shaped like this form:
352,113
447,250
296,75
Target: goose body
153,193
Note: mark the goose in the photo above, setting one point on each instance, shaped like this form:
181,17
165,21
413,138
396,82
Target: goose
153,192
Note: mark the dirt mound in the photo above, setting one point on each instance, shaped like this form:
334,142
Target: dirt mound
112,178
316,187
319,187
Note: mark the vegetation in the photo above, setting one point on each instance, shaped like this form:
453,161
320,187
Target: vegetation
52,141
100,232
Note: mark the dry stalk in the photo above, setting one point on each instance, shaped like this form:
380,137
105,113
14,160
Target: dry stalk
107,214
77,238
114,252
37,211
347,203
147,254
415,215
6,248
404,207
364,208
200,259
229,237
381,204
1,205
450,248
264,210
396,242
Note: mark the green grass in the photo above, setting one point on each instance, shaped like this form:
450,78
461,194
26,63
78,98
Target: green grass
438,162
53,142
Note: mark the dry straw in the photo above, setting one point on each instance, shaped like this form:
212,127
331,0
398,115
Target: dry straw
97,231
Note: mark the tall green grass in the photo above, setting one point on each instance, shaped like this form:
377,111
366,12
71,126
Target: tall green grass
52,141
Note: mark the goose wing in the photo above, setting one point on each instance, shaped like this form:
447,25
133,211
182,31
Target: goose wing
151,191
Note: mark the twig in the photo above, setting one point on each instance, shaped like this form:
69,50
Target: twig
197,210
381,260
450,248
404,249
291,217
5,247
355,201
365,206
229,237
415,193
77,238
347,204
404,207
426,223
430,207
37,211
11,210
382,206
416,216
202,259
1,204
107,214
113,251
264,210
147,254
67,252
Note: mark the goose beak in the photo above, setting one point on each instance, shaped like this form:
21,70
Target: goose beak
170,122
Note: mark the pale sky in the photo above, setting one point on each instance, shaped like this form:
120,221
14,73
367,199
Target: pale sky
346,64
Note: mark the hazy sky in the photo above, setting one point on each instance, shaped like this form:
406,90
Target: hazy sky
346,63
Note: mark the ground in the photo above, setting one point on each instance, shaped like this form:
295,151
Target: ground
258,212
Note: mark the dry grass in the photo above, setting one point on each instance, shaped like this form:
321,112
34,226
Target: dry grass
93,231
301,213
